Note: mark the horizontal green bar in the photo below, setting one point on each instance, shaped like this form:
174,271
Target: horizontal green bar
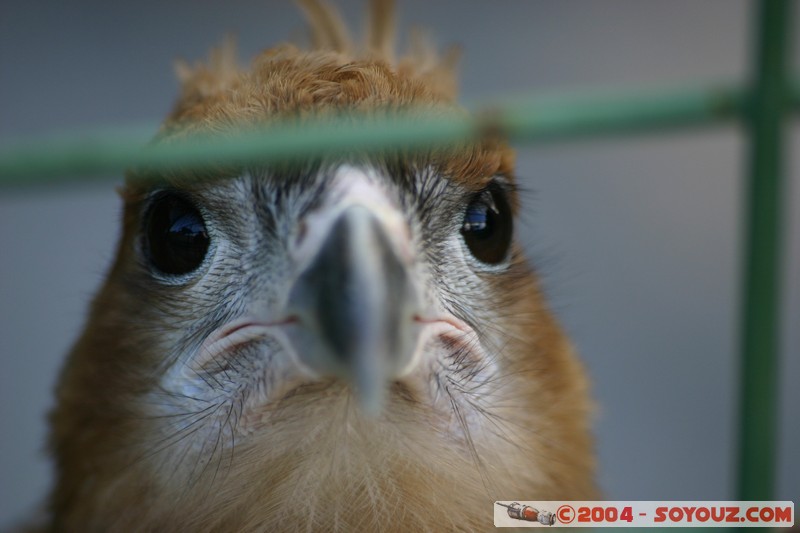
46,161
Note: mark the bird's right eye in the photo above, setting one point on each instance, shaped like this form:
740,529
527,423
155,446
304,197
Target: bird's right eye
176,239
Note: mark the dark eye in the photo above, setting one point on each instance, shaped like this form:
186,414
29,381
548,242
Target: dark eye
176,236
488,225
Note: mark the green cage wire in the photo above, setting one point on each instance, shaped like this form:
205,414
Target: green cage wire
763,107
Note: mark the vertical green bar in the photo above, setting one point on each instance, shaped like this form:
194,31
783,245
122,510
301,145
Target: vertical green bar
761,297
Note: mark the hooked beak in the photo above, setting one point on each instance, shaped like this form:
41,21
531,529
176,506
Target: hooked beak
356,307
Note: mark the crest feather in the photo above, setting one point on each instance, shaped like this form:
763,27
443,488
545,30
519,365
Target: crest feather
206,79
328,30
334,59
329,33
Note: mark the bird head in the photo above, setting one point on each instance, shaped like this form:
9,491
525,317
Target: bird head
314,343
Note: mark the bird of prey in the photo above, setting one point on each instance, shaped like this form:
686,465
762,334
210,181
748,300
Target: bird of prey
352,342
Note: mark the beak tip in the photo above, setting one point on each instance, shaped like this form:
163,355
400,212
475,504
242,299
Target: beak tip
370,391
371,406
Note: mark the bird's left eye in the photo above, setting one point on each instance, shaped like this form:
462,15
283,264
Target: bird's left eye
488,225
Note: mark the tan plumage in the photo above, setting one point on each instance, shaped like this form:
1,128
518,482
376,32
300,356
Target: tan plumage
500,412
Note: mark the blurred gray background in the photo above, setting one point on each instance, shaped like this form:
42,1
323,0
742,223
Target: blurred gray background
636,238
